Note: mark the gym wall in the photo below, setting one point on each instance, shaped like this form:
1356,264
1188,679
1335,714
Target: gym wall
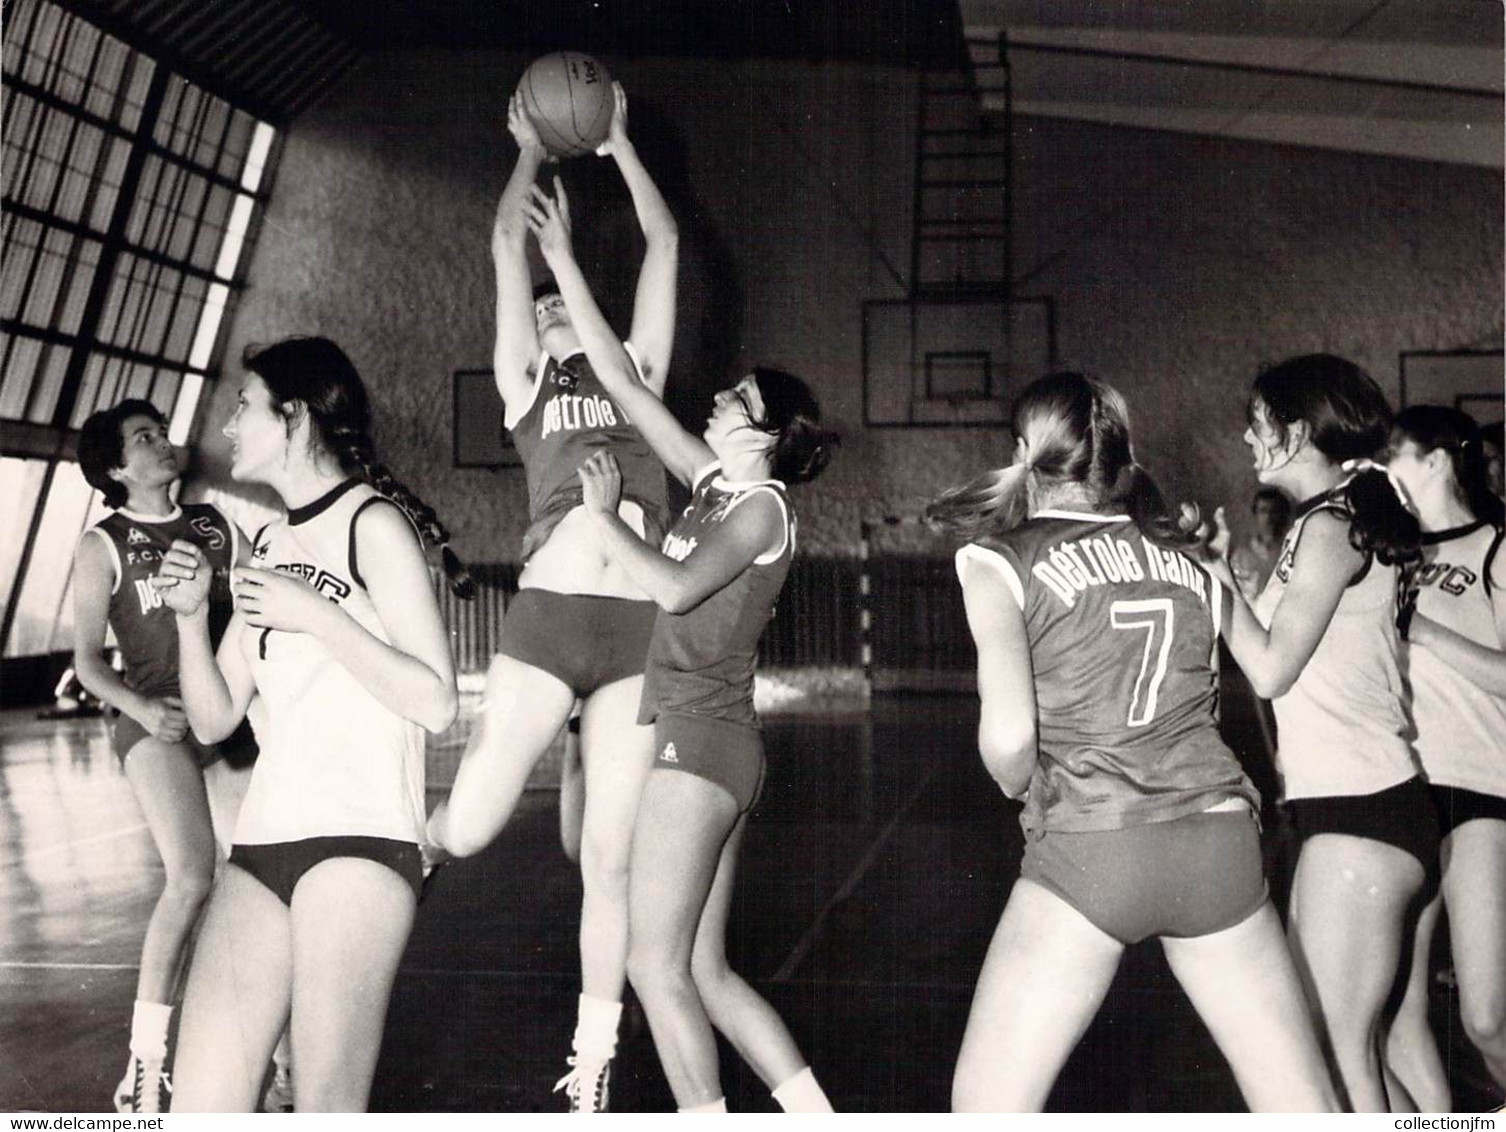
1178,264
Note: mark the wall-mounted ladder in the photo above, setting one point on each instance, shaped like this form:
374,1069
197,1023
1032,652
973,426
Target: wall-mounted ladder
960,247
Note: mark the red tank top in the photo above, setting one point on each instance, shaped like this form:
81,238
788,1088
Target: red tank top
144,628
570,417
1122,636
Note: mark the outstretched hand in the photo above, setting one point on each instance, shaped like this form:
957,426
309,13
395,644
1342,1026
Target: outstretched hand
601,483
549,218
617,134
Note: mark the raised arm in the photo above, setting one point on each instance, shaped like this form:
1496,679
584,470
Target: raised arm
682,453
1006,680
93,581
755,527
516,353
1273,658
653,333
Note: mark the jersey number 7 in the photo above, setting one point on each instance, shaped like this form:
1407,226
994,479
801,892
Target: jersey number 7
1154,618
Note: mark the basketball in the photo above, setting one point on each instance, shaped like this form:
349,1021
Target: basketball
568,95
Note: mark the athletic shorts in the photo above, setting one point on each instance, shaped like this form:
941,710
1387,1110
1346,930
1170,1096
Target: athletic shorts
1183,878
127,733
583,640
1401,816
280,865
1456,805
728,754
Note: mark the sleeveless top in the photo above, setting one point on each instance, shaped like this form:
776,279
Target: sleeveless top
1123,638
1341,728
146,631
569,416
334,761
1461,728
701,662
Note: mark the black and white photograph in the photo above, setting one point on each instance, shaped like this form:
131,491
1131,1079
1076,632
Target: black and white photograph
766,556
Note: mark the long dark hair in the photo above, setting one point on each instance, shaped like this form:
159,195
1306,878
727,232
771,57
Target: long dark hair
1434,427
1077,430
101,448
1347,418
792,415
316,373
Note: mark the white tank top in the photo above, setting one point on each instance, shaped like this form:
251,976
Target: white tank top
1341,728
334,761
1461,728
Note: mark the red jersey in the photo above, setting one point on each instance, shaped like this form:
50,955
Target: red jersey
1122,640
570,416
145,629
701,662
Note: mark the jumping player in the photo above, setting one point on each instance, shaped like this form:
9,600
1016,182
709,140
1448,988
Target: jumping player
1455,667
125,454
579,626
338,631
1095,638
714,583
1321,645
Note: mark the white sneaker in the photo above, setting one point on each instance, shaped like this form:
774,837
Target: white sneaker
145,1088
587,1084
279,1094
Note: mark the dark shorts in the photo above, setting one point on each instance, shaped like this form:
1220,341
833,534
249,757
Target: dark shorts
728,754
128,733
1401,816
1188,877
281,865
1456,805
587,642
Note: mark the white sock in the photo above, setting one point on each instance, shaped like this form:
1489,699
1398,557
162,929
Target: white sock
718,1105
149,1029
801,1093
596,1028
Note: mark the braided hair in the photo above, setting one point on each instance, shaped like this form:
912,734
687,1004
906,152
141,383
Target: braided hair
317,373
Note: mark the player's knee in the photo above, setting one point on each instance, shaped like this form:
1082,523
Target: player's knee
463,839
604,862
189,884
1484,1020
713,977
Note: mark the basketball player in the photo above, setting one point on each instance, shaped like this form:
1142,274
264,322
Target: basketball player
1321,645
338,631
1455,665
125,454
580,624
1095,639
714,584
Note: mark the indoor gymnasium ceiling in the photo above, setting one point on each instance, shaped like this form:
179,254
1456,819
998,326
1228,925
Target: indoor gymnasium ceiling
1408,78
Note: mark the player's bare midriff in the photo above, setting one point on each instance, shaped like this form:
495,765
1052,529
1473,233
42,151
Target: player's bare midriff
572,560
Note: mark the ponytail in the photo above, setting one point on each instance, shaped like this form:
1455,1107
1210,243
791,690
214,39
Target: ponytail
1141,498
1379,523
989,504
355,453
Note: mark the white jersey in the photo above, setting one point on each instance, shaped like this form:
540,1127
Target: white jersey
1461,729
334,761
1341,728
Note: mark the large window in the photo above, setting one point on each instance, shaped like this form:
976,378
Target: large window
129,198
